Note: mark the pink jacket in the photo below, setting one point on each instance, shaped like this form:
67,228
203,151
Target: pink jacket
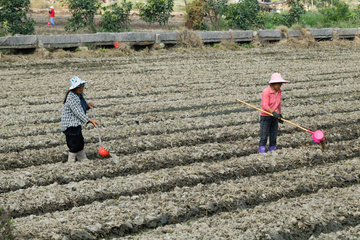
270,100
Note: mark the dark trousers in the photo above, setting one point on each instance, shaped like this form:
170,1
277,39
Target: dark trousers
74,139
268,128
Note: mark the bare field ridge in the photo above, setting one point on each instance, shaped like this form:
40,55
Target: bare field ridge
188,164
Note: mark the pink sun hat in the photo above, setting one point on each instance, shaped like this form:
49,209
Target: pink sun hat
276,78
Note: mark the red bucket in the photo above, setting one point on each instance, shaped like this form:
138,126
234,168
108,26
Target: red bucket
103,152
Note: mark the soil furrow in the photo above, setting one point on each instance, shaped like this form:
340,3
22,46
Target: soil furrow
350,233
209,117
224,84
185,203
305,217
188,166
149,161
300,92
134,144
232,169
292,137
173,104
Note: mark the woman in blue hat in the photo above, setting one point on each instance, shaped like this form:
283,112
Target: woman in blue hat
73,116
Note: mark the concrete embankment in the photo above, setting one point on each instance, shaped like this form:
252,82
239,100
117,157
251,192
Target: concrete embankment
168,38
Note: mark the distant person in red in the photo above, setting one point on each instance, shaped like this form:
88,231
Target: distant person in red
52,15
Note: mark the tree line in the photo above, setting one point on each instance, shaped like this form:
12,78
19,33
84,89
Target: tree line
199,15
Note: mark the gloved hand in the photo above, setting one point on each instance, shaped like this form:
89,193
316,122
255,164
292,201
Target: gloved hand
275,114
49,12
281,121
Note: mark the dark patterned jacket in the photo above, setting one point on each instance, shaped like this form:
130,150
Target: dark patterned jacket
73,114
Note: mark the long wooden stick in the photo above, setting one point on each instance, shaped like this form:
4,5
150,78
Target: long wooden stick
97,127
272,115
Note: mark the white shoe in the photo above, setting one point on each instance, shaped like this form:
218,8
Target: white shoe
72,157
81,156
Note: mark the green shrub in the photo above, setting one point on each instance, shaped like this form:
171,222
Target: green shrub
13,17
352,23
83,14
6,225
311,19
296,11
3,29
242,15
271,20
215,9
116,17
195,15
339,12
156,11
340,16
222,25
355,14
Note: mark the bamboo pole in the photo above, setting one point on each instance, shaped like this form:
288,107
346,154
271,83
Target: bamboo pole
272,115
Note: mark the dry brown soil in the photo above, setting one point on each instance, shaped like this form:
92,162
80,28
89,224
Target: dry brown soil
188,166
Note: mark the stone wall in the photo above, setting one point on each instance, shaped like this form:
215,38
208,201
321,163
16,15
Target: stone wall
150,38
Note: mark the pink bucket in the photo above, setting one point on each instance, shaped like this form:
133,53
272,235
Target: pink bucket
318,136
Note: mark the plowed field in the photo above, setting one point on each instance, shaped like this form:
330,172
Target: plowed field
188,164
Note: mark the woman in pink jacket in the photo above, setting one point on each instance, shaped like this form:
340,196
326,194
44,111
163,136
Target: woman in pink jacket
270,102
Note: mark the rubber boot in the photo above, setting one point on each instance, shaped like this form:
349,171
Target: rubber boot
272,148
81,156
72,157
262,149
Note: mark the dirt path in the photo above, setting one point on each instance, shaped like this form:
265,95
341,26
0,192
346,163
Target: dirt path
136,25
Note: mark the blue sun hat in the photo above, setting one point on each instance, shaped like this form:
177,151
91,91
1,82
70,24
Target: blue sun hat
75,82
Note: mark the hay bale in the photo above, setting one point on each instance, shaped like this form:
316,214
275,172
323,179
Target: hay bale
305,39
189,39
284,31
123,47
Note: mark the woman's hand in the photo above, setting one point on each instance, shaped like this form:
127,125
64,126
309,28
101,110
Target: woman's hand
275,114
90,105
281,121
95,123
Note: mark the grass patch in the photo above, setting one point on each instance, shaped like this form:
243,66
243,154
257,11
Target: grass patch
352,23
247,45
311,19
223,26
296,26
315,19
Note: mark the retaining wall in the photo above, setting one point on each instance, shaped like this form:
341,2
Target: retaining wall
150,38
